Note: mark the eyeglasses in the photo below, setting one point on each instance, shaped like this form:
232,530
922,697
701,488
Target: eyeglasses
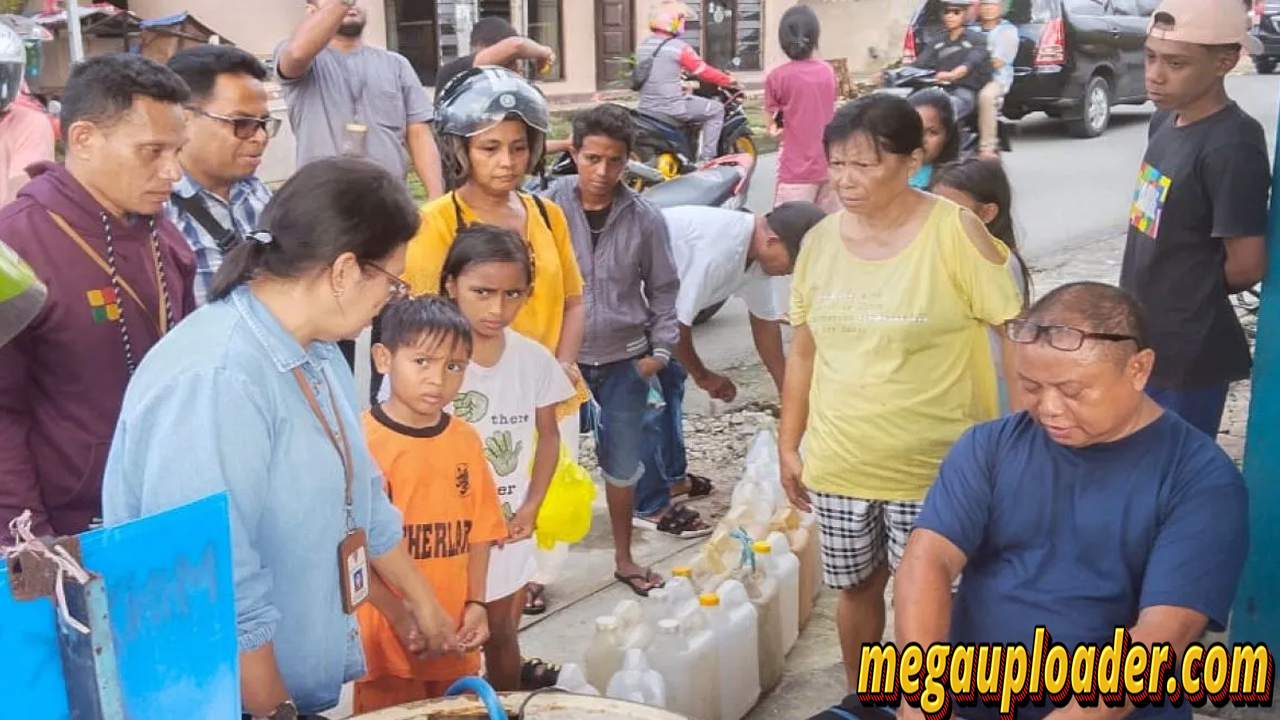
1060,337
245,127
397,288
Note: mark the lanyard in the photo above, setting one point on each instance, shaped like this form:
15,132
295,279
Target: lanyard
338,438
163,319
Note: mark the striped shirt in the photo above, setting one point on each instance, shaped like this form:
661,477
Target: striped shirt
248,197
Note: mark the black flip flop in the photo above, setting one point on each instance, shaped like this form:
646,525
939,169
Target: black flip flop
631,580
535,599
699,486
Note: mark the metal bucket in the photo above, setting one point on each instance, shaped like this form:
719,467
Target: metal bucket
541,706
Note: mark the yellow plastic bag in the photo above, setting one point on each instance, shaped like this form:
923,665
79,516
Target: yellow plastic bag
565,515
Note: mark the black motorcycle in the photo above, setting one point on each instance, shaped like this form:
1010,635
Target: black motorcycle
670,145
908,80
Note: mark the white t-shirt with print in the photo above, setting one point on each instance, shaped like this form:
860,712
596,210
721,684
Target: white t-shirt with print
710,248
502,402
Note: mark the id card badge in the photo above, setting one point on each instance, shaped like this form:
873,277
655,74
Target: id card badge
353,569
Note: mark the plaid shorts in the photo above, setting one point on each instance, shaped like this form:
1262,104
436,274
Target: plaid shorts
859,536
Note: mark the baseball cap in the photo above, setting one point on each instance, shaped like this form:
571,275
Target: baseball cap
1204,22
791,221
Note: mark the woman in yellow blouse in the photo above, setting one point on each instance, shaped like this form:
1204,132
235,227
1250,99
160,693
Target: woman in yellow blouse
492,129
890,361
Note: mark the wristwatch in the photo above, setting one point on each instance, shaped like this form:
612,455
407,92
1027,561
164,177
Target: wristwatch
284,711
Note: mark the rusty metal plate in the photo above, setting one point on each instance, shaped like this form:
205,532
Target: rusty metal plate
33,576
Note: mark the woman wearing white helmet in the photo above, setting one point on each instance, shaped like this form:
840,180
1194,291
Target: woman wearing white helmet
667,58
26,136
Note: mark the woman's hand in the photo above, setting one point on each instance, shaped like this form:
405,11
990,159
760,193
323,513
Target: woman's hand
792,470
474,631
521,525
436,627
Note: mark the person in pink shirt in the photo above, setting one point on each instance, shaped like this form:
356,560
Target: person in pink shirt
26,137
800,99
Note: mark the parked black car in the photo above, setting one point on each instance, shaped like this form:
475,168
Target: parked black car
1077,58
1266,27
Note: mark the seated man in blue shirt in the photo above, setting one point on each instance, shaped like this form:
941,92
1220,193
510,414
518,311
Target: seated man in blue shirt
1092,510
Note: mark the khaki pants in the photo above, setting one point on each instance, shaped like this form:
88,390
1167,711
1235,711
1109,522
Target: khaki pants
988,116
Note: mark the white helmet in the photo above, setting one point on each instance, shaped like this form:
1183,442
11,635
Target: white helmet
13,63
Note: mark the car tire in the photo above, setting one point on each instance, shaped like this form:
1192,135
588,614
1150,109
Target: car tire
1265,65
1095,109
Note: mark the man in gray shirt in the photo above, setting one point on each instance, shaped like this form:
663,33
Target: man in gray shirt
332,80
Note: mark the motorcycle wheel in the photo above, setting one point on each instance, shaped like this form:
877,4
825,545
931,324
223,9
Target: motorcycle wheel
708,313
668,165
740,143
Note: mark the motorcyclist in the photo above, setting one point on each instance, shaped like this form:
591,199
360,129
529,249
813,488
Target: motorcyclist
959,58
26,135
1002,44
671,57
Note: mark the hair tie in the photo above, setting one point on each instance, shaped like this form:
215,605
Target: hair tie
262,237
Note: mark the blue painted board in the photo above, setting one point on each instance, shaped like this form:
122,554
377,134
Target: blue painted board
172,602
1256,614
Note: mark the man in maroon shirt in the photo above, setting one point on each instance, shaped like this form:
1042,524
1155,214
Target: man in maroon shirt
119,277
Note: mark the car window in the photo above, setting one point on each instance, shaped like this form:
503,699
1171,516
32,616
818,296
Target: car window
1129,8
1087,8
1021,12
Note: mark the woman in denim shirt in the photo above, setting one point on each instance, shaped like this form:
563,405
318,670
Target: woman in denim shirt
219,405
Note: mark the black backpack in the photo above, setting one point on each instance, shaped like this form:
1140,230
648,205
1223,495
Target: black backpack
640,73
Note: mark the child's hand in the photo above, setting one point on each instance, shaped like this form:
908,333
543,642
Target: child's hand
522,523
474,631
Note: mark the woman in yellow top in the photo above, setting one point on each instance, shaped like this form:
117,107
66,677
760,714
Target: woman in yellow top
890,361
491,126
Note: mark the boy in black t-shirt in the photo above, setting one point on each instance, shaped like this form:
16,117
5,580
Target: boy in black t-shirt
1199,211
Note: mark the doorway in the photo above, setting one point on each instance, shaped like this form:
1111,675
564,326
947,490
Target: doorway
615,41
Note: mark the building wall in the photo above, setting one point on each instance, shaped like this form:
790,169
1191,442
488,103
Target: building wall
868,33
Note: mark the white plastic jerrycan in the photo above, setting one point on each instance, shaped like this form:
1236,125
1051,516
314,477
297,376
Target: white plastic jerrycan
733,621
573,678
633,629
637,682
784,568
604,654
801,532
762,589
670,657
704,652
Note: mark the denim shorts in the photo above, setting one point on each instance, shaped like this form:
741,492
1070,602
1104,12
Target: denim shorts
619,400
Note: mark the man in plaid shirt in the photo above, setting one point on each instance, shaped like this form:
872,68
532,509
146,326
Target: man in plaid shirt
218,200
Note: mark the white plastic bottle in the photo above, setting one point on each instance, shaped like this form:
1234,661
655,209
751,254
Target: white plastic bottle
633,629
762,590
670,657
783,567
604,654
637,682
573,678
734,625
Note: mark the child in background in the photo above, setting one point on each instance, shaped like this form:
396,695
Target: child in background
941,136
802,93
983,187
436,475
511,390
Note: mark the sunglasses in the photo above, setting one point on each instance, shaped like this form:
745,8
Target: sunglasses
396,288
245,128
1060,337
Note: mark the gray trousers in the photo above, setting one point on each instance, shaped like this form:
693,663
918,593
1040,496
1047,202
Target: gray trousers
710,115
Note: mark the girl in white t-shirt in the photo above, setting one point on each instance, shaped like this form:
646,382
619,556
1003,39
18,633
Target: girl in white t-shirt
509,393
983,187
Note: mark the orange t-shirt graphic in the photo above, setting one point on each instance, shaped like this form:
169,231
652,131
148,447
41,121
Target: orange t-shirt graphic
439,480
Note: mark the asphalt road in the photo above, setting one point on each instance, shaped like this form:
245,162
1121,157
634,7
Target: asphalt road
1067,192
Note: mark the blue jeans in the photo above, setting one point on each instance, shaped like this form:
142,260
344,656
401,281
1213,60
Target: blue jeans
620,397
1202,406
664,456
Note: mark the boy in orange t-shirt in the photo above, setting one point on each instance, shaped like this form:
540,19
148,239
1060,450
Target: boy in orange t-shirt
437,476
